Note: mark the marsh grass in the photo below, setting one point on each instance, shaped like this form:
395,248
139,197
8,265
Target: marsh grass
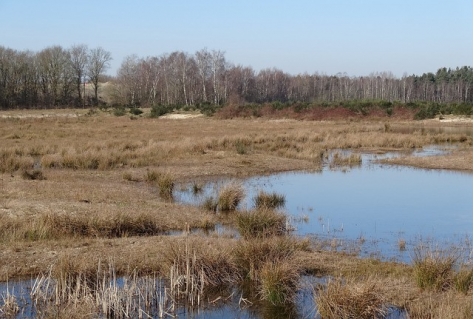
251,255
278,282
261,223
264,200
194,268
350,299
210,204
433,269
164,182
340,160
56,226
462,280
229,197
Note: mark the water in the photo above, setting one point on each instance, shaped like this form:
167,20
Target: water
373,206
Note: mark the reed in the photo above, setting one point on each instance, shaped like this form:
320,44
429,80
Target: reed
349,299
9,307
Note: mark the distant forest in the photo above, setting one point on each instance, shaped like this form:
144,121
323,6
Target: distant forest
56,77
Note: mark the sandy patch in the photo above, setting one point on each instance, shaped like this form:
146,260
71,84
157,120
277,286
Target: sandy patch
180,116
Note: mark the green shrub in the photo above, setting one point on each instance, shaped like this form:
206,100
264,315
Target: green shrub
135,111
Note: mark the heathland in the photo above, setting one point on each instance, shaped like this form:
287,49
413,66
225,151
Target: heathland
85,188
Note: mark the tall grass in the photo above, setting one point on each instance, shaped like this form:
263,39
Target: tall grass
433,269
278,282
164,182
56,226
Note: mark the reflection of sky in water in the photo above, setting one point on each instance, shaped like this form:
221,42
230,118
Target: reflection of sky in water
381,204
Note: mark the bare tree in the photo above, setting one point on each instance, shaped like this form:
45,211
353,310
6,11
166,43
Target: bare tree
99,62
79,59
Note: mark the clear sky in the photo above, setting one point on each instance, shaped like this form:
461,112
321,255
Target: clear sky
326,36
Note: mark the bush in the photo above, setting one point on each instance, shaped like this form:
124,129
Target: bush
159,110
119,111
135,111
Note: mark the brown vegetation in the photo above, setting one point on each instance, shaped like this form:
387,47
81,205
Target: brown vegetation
87,189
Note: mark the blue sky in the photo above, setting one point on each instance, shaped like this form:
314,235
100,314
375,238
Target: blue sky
325,36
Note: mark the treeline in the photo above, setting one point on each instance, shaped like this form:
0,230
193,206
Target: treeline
55,77
52,77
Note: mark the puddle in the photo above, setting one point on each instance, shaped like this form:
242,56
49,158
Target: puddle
382,211
227,304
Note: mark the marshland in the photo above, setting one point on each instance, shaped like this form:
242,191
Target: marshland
93,222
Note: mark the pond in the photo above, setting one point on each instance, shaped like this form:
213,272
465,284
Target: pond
373,209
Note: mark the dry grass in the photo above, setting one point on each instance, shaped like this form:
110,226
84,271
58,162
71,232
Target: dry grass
264,200
230,196
96,202
433,269
350,299
261,223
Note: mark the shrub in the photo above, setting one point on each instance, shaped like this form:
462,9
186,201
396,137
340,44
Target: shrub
268,200
135,111
159,110
119,111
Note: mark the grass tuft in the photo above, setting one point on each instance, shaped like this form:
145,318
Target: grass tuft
230,197
349,299
433,270
278,282
164,181
268,200
261,223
